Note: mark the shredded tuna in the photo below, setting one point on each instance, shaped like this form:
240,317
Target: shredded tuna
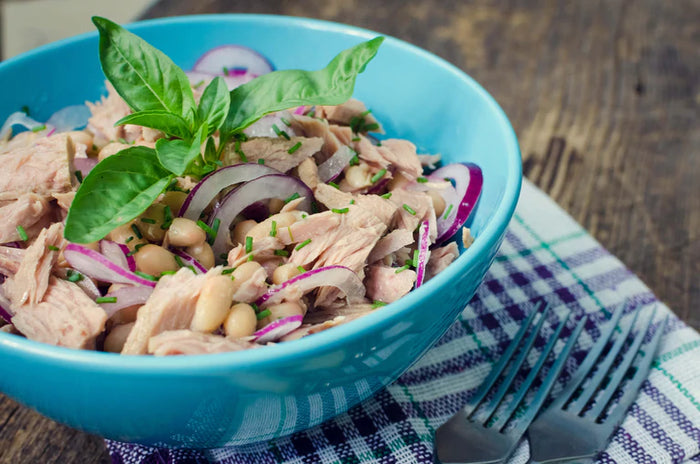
29,212
440,258
347,113
390,243
170,307
10,259
104,114
176,342
314,127
275,152
308,173
385,284
252,288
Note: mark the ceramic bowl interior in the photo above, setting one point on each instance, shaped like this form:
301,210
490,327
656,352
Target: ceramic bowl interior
244,397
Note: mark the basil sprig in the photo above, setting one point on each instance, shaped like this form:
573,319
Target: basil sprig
123,185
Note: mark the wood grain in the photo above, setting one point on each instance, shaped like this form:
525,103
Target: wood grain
604,97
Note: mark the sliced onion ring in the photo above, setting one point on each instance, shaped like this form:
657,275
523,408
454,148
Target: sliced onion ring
423,252
462,198
208,188
233,57
118,254
69,118
126,296
330,276
96,266
278,329
333,166
188,260
19,118
270,186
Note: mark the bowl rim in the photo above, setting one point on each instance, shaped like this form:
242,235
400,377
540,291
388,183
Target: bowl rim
341,335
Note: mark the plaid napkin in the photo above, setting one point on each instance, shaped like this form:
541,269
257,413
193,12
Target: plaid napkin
545,255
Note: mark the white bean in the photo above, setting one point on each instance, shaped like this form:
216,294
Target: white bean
213,304
438,202
154,260
115,339
240,231
185,232
280,311
241,321
284,272
244,272
202,253
358,176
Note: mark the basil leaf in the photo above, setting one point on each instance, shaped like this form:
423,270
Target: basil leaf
116,191
143,75
210,155
176,155
280,90
170,123
214,104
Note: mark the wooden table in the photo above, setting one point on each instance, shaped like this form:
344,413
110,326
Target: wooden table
604,97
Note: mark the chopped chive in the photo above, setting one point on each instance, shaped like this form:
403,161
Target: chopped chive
386,196
164,273
273,229
291,197
354,161
291,237
409,209
447,212
39,128
22,233
261,161
356,139
415,258
281,253
211,233
301,269
255,307
294,148
148,276
53,248
237,149
303,244
178,260
378,304
422,180
263,314
25,110
311,113
199,84
402,268
191,268
250,257
352,201
340,211
136,230
304,215
167,218
334,185
73,276
129,239
215,226
225,71
286,121
280,133
365,112
378,175
122,140
248,244
228,271
148,220
79,176
371,127
106,299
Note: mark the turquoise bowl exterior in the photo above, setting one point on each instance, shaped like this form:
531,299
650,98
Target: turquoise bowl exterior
244,397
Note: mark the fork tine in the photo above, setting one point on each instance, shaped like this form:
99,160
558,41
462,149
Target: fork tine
497,369
515,368
632,389
620,370
552,375
578,405
522,391
591,358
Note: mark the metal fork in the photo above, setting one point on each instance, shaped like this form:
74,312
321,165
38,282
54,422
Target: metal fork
483,438
568,430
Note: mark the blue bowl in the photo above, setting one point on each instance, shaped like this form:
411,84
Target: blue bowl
244,397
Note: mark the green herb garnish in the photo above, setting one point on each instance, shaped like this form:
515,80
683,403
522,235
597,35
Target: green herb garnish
73,276
409,209
291,197
106,299
248,244
53,248
302,244
273,229
447,212
386,196
378,304
294,148
148,276
263,314
22,233
341,210
378,175
281,253
148,220
301,269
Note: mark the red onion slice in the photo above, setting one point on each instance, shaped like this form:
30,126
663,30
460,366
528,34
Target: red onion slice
423,251
208,188
96,266
461,199
86,284
188,260
69,118
232,81
330,276
333,166
269,186
126,296
118,254
19,118
278,329
234,58
85,165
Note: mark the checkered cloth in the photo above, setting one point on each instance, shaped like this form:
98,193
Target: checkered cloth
545,255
